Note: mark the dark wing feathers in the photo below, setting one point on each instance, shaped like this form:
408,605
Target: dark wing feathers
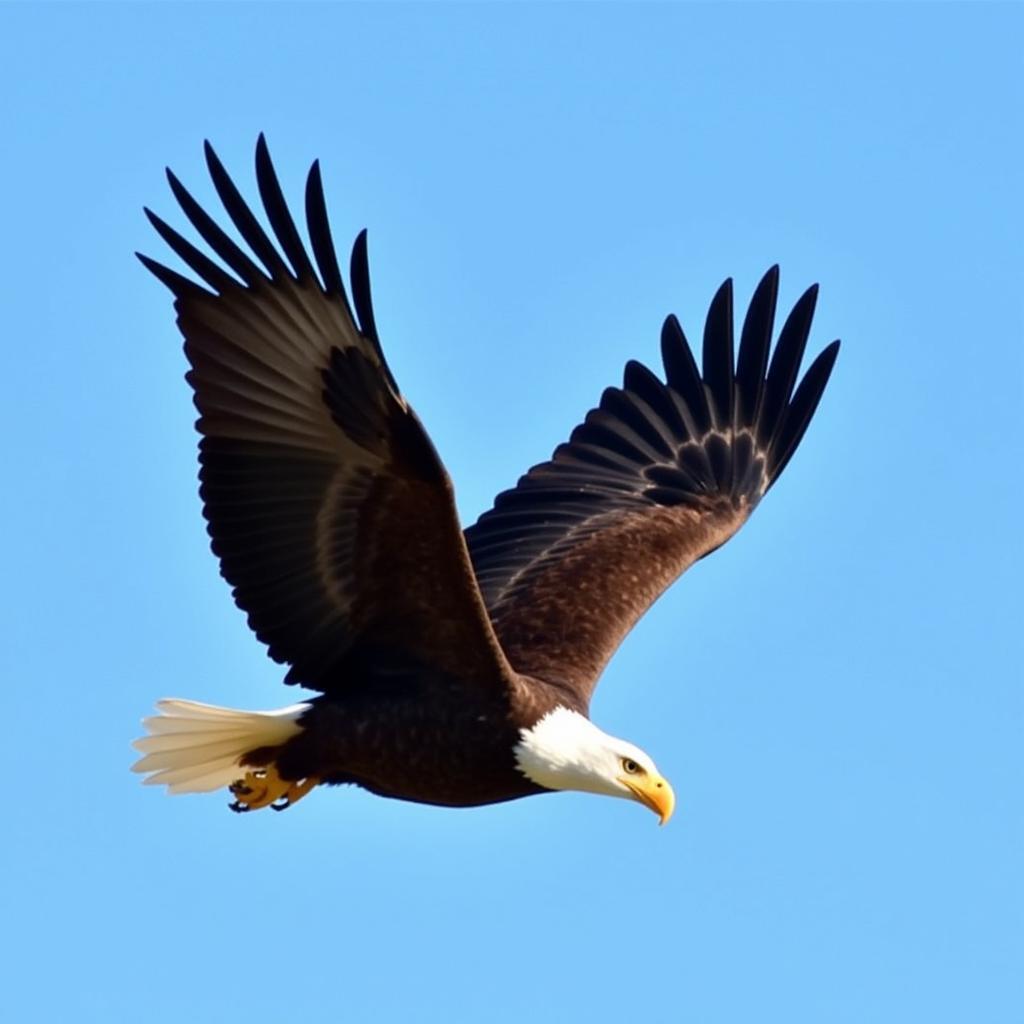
332,515
755,342
656,477
328,507
718,358
279,215
800,410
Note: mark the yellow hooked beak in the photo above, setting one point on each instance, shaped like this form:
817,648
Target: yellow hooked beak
652,791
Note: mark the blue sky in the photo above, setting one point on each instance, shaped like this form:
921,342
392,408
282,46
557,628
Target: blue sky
836,695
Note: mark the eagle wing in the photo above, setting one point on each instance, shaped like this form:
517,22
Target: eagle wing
655,478
328,507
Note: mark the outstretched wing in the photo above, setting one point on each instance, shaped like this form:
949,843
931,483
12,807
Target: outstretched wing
656,477
328,507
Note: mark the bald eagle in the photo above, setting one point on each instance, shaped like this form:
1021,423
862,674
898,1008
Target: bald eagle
451,667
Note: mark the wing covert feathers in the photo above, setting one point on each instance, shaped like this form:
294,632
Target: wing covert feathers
656,477
318,482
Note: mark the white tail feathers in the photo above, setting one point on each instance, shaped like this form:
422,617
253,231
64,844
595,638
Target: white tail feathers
197,748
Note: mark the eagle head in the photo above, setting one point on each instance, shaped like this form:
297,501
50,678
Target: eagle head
565,750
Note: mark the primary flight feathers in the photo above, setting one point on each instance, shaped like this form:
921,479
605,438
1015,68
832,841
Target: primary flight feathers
334,520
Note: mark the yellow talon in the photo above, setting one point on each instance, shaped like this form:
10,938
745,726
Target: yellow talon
297,790
263,787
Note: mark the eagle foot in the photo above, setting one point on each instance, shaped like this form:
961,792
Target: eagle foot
296,791
263,787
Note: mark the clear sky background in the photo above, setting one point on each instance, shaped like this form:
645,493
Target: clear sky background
836,695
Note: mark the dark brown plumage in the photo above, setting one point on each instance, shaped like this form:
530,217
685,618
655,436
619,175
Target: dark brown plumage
436,652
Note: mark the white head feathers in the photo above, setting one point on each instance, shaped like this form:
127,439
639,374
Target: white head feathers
565,750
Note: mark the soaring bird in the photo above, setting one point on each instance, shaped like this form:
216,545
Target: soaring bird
450,667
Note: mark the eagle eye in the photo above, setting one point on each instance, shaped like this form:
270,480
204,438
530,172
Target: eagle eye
630,766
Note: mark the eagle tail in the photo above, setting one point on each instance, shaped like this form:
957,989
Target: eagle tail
197,748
